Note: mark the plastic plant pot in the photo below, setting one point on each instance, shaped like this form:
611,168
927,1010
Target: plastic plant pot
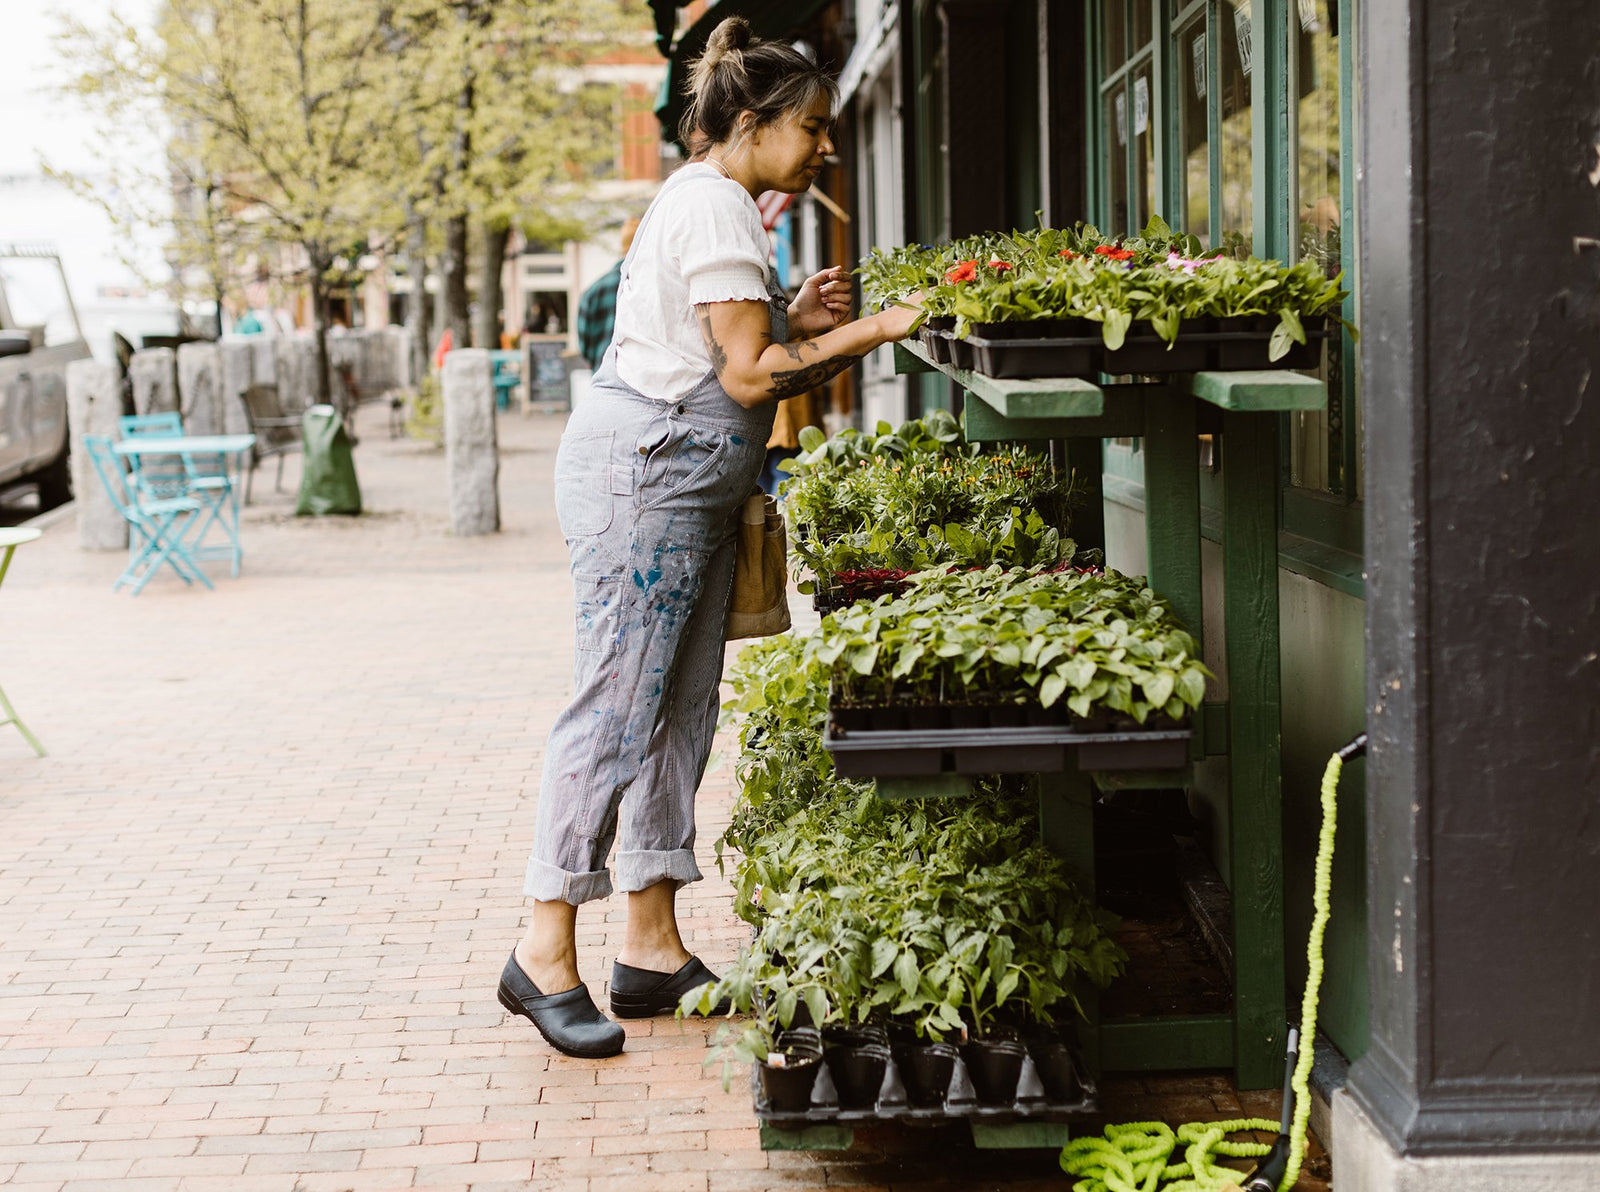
787,1087
857,1057
848,716
1057,1070
994,1065
926,1069
1008,716
926,716
968,716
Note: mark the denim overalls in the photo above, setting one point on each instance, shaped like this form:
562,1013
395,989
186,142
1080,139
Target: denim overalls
648,495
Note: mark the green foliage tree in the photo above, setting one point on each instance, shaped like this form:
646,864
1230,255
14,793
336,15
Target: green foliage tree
336,124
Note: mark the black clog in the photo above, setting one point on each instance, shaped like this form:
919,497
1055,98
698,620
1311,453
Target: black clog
570,1021
644,993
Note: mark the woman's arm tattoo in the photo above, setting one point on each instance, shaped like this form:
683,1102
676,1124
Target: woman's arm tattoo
800,380
719,356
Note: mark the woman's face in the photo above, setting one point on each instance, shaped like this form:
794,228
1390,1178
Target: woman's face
790,152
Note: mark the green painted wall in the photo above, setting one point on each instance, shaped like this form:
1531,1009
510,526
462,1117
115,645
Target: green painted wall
1322,644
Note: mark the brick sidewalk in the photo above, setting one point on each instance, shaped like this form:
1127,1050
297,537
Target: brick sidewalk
257,899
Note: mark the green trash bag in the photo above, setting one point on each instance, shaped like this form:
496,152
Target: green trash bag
328,478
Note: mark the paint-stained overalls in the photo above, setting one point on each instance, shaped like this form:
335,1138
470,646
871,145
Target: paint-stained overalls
648,493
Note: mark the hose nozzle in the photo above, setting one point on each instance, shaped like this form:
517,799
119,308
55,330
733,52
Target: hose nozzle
1269,1174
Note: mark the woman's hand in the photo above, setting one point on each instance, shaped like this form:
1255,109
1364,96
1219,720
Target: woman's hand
897,317
822,303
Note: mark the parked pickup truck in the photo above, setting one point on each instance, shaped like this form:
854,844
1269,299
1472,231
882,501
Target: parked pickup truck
34,356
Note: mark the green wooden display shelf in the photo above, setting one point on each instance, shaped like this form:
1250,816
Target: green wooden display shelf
1168,415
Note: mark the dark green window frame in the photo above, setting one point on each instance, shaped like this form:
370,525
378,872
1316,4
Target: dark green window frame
1322,528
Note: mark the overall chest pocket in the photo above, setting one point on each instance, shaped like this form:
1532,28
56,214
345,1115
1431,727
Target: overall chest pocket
588,481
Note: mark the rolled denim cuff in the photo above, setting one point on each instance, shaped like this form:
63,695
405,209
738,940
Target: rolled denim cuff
548,884
643,868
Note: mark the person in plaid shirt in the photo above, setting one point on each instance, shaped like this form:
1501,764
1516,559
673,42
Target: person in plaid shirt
597,309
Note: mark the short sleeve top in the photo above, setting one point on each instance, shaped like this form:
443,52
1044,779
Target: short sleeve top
701,241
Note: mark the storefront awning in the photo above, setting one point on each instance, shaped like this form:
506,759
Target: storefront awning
768,18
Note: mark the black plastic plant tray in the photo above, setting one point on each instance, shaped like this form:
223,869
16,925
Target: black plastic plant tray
1030,1104
1021,359
1152,355
938,344
1238,346
912,753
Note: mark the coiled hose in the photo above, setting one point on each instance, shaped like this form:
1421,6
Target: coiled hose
1136,1156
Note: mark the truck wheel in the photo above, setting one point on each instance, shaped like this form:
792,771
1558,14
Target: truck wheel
55,482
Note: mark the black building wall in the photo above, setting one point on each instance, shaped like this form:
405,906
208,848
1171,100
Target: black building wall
1481,366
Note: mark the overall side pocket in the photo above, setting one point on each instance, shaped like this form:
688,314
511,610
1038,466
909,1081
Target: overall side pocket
584,500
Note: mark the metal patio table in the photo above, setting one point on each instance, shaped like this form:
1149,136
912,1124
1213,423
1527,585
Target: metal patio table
234,453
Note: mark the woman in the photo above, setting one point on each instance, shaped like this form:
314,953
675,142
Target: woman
651,473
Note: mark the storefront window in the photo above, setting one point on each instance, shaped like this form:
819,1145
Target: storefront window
1235,33
1114,34
1144,158
1117,118
1128,98
1142,32
1194,131
1316,439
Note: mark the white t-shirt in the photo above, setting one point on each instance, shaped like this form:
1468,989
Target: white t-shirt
701,241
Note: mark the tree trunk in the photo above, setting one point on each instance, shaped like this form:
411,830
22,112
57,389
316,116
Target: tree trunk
455,281
491,298
319,320
418,317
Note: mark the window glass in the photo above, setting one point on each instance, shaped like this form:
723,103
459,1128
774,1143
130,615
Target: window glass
1235,33
1195,131
1114,33
1142,28
1118,127
1317,440
1144,159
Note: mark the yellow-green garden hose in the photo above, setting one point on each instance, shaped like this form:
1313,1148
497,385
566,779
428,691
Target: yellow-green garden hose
1135,1156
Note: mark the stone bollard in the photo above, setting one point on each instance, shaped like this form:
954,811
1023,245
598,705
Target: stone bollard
94,403
400,344
154,374
296,372
471,454
238,374
200,388
264,359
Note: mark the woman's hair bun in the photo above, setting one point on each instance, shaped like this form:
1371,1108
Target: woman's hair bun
731,34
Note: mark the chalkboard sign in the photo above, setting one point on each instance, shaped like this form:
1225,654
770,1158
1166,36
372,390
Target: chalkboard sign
546,370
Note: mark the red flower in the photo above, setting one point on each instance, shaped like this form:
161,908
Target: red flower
965,271
1115,253
1068,253
998,265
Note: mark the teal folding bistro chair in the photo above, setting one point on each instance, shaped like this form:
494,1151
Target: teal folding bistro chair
10,539
204,477
158,524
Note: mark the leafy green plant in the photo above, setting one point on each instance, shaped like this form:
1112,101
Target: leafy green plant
1157,278
1099,641
911,498
943,916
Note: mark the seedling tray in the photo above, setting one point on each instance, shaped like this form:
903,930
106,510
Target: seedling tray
1022,359
911,753
1028,1102
1231,345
